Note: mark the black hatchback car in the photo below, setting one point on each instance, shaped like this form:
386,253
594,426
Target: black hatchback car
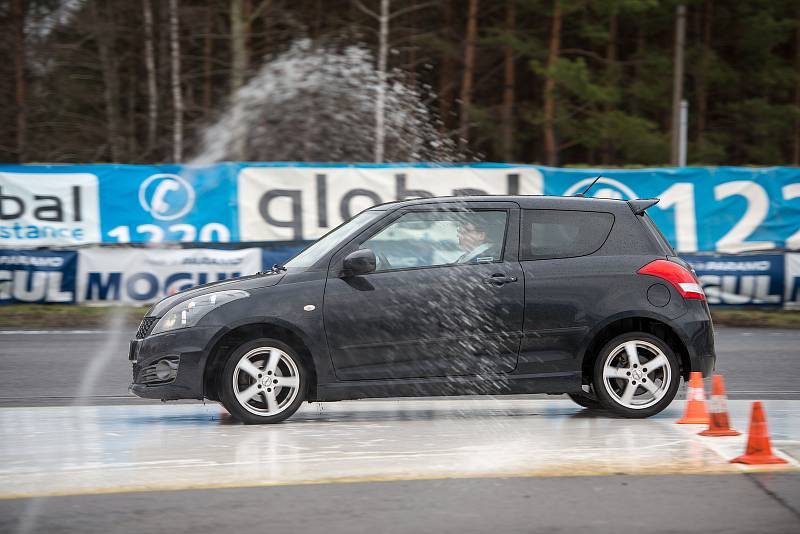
443,296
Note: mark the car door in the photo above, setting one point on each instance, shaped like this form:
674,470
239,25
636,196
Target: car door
565,285
431,308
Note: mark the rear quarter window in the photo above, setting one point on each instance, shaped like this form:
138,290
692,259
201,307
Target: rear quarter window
657,235
550,234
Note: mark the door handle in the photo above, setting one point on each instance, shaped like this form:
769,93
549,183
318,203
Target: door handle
499,279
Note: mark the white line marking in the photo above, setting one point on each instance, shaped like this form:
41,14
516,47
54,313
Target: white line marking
46,332
763,391
729,450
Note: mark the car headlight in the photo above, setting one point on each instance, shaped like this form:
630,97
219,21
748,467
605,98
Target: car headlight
189,312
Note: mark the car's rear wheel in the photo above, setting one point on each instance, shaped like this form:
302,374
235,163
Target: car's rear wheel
636,375
263,381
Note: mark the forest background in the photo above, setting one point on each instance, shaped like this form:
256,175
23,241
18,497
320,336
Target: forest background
557,82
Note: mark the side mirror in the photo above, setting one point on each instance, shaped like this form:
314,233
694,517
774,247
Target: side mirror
358,262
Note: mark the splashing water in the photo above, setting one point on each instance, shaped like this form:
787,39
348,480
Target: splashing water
317,103
115,329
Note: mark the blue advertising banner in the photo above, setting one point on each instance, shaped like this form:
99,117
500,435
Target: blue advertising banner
167,203
37,276
722,209
702,209
84,204
715,209
742,280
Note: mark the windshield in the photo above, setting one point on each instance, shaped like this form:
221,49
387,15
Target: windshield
326,243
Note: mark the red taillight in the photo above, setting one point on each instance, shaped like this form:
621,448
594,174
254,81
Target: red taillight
681,278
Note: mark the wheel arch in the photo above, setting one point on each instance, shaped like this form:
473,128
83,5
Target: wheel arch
656,326
248,330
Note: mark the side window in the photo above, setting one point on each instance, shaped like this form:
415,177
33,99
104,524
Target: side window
549,234
430,238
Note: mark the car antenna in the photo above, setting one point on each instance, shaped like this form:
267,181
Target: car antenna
583,194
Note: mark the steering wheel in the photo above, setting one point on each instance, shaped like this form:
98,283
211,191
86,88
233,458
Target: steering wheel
384,261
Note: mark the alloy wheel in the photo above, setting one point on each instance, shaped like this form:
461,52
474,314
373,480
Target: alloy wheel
266,380
637,374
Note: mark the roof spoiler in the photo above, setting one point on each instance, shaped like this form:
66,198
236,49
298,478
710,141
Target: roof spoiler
639,205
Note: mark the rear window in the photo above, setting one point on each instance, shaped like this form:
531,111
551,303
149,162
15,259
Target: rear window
549,234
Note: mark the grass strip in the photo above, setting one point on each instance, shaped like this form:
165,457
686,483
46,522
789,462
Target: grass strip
34,316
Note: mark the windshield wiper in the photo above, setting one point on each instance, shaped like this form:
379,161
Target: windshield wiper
275,269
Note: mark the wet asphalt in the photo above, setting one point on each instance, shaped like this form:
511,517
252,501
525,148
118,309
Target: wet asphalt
48,367
729,504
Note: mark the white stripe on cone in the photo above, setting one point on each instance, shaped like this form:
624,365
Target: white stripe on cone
696,394
719,404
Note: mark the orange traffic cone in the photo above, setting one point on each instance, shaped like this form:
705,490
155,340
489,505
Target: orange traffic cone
696,413
719,425
759,450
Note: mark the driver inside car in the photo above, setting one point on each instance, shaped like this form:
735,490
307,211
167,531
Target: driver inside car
475,240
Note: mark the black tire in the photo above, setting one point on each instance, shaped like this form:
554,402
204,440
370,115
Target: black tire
586,400
228,396
611,400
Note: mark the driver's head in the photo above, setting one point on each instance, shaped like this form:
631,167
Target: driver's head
471,234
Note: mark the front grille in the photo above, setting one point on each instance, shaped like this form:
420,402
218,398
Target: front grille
145,327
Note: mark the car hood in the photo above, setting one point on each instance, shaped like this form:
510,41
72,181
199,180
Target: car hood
245,282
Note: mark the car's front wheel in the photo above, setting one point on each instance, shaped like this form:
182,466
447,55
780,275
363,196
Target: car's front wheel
263,381
636,375
586,399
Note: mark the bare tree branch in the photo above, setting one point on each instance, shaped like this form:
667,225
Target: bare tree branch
366,10
258,11
405,11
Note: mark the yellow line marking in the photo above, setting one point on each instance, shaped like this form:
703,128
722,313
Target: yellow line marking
144,488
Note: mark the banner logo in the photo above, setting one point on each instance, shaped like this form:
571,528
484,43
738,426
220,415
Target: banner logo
48,209
166,196
740,280
136,276
37,276
302,203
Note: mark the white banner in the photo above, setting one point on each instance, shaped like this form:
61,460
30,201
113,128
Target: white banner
293,203
142,276
792,297
48,209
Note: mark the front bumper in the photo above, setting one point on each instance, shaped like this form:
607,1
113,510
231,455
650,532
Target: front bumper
187,347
